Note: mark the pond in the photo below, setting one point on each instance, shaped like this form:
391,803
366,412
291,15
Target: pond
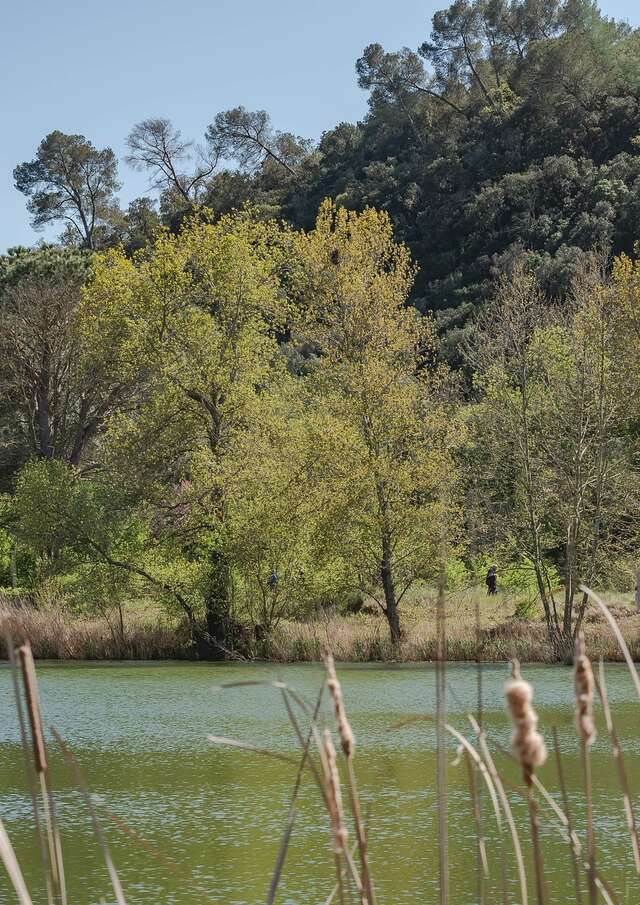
208,821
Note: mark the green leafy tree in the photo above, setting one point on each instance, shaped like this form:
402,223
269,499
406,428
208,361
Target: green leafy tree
72,182
384,440
55,399
555,472
196,315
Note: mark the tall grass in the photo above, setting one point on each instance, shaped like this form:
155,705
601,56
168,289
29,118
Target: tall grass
495,634
364,639
328,754
54,634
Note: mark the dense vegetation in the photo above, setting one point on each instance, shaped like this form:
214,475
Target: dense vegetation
247,410
514,127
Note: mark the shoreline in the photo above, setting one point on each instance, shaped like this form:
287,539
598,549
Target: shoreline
57,636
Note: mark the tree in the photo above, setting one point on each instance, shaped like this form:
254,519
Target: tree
197,313
71,181
555,472
280,568
513,126
83,527
385,433
58,399
248,137
398,78
455,48
156,146
54,401
142,223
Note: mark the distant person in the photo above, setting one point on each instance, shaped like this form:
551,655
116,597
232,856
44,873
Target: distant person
492,581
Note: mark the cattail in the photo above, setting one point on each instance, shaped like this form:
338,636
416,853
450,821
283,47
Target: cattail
347,738
33,706
584,684
334,795
529,749
527,744
584,687
348,742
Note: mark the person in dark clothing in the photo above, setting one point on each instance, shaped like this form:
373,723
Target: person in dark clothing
492,581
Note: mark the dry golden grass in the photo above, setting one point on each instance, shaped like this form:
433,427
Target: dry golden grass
57,634
365,637
54,634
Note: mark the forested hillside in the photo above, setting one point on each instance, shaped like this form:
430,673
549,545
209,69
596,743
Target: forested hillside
510,126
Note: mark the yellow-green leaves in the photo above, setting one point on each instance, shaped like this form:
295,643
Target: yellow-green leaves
384,462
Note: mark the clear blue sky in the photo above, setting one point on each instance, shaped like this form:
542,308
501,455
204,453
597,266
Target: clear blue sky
96,69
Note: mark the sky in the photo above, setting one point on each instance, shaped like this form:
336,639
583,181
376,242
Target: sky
97,69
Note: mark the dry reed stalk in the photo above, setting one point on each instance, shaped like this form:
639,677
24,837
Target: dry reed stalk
282,854
484,772
482,870
97,829
572,839
30,682
441,763
334,803
622,773
486,754
284,847
313,733
336,887
254,749
477,819
30,771
584,687
528,748
286,690
618,635
347,741
601,882
13,868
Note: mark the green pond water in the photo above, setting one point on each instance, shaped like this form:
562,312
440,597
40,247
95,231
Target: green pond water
213,817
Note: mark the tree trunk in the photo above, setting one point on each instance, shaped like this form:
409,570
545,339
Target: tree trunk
43,415
14,566
391,604
217,599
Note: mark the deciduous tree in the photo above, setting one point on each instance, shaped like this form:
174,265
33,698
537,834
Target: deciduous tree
386,438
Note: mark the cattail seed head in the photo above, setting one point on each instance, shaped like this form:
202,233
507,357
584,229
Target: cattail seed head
334,794
584,686
347,738
527,744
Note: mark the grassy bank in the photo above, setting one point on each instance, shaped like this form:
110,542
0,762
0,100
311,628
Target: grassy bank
364,637
147,634
55,634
